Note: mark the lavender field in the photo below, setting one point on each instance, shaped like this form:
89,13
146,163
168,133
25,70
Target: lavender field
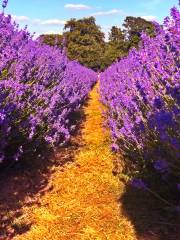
112,130
142,95
40,89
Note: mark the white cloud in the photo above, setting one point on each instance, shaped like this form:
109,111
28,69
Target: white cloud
36,21
53,22
20,18
149,18
53,32
108,13
48,22
77,6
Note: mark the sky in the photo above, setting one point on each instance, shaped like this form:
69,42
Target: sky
49,16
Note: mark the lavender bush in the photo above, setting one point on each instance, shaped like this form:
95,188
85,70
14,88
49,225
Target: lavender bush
39,90
142,96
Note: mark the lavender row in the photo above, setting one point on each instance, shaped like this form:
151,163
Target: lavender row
142,96
39,90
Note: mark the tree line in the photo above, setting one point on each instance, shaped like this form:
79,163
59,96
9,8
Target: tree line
85,41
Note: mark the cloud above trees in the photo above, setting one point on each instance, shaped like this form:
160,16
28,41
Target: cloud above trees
77,6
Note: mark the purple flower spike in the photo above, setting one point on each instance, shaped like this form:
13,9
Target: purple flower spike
177,209
114,147
138,183
161,166
4,3
158,103
40,89
141,93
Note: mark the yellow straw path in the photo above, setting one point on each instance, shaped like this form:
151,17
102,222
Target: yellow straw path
83,202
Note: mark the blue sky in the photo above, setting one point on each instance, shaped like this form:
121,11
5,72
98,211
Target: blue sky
49,16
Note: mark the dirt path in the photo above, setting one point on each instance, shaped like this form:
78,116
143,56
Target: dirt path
82,203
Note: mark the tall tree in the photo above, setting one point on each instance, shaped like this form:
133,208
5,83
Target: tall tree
85,42
52,39
134,26
116,35
115,47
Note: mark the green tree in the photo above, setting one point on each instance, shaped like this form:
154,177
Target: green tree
134,26
85,42
52,39
116,35
115,47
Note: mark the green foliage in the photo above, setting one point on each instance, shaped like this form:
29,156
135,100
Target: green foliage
85,41
4,74
134,26
52,39
116,35
115,48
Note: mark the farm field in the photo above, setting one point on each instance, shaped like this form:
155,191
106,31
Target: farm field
83,202
80,197
90,122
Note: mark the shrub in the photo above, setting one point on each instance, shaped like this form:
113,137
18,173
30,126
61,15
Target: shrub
142,95
39,89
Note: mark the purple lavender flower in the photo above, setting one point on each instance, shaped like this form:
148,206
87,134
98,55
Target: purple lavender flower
2,117
177,209
40,89
161,166
142,96
1,157
114,147
138,183
164,118
158,102
4,3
